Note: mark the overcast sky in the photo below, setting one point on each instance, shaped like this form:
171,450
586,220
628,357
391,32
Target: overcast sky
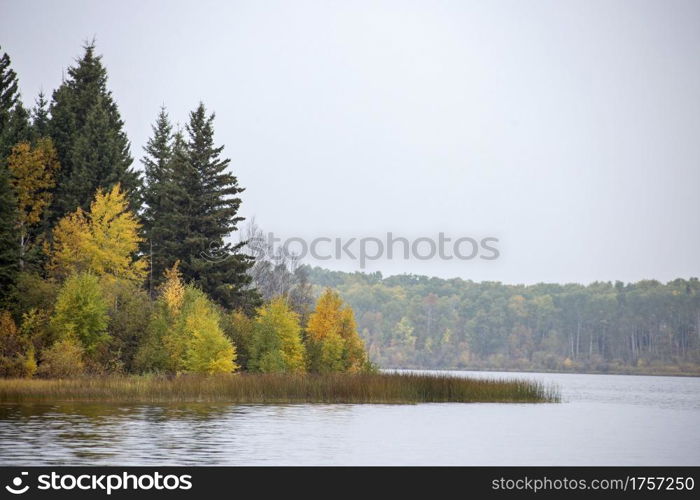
569,130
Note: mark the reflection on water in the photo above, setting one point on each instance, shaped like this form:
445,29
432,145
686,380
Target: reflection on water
606,420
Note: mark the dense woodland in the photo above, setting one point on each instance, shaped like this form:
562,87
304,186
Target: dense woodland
106,268
417,321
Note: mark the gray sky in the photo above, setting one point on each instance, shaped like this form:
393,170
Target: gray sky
570,130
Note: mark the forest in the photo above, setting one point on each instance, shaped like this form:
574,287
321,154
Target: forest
106,268
607,327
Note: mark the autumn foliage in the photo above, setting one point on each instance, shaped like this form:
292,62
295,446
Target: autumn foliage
108,270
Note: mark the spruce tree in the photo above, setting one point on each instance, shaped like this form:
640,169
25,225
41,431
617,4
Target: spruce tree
13,127
40,117
157,162
199,212
87,130
9,93
217,266
9,242
14,118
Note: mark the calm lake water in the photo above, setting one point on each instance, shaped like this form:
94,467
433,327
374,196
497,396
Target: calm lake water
603,420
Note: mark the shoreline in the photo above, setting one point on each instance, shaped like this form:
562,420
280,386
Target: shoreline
562,372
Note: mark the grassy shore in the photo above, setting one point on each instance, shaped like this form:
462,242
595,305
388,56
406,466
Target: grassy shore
247,389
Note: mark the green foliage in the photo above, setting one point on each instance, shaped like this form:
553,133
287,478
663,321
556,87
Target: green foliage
422,322
81,312
9,242
14,118
238,327
87,131
276,345
157,202
200,210
129,313
33,292
10,108
40,117
9,90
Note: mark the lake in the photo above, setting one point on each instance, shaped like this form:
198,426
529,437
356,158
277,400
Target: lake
603,420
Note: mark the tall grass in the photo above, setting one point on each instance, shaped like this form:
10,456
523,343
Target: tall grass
248,388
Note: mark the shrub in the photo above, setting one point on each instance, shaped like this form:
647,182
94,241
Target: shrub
16,350
64,359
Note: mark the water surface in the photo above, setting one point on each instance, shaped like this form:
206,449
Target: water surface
603,420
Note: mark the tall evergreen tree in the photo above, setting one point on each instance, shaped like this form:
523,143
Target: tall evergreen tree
220,268
157,162
9,242
13,129
40,117
89,136
201,211
14,118
9,94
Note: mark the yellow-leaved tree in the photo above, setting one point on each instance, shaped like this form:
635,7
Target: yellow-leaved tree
333,344
354,354
276,345
33,175
185,333
103,241
207,350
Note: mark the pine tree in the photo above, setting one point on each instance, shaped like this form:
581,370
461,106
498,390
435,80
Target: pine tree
87,131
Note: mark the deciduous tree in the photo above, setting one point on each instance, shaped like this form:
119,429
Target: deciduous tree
104,240
276,341
33,171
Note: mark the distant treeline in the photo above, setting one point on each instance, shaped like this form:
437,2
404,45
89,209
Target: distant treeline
417,321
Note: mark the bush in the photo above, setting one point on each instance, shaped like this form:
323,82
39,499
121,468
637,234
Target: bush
64,359
16,350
